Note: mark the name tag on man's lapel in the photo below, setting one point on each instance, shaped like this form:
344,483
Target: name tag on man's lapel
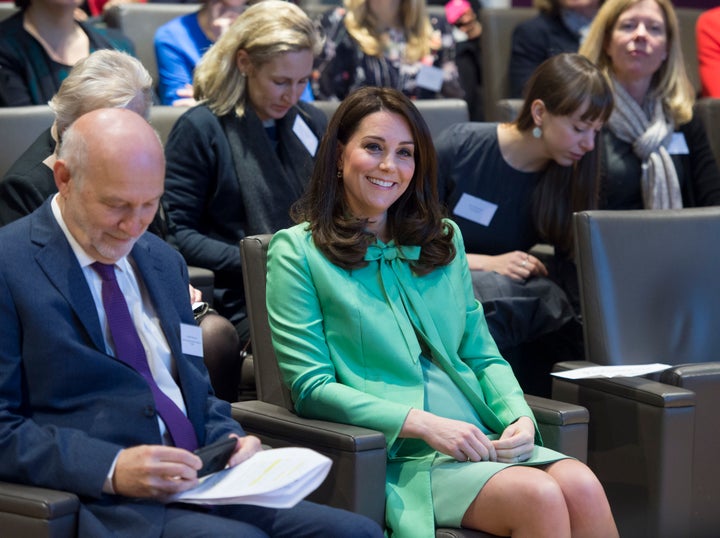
191,339
305,134
475,209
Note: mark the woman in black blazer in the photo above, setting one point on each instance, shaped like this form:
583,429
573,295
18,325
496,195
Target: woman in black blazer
236,162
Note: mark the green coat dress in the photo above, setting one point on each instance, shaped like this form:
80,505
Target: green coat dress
347,342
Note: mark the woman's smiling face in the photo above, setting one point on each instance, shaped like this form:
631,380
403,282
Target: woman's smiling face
377,164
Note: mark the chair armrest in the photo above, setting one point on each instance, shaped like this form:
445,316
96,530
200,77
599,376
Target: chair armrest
640,446
271,420
31,511
356,480
640,389
682,375
563,426
556,413
36,502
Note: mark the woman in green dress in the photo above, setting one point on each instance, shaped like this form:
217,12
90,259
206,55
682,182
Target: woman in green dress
374,323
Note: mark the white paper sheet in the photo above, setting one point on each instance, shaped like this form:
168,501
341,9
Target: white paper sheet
277,478
630,370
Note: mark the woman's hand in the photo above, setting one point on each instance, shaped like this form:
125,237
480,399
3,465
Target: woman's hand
517,265
461,440
517,442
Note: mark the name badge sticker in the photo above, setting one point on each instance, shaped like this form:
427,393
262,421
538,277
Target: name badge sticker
305,134
191,339
475,209
430,78
678,145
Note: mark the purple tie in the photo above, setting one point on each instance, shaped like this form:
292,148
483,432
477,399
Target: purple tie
130,350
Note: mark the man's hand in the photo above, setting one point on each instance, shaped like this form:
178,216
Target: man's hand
245,447
155,471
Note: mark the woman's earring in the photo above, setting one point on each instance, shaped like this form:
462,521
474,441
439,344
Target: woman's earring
537,132
339,174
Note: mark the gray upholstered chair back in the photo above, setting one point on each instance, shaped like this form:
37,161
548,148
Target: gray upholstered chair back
649,285
140,21
496,41
19,127
437,113
267,374
650,292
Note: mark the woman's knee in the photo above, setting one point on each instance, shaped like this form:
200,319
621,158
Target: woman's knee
576,480
520,500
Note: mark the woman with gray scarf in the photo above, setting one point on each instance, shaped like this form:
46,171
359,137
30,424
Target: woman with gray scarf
656,153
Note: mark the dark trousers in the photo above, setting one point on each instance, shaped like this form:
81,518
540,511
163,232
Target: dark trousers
305,520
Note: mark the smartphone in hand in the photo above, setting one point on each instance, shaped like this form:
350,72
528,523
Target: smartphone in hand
216,455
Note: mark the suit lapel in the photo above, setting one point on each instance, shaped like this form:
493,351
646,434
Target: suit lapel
57,260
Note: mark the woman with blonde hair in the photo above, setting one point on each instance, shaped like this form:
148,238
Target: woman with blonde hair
238,160
656,152
386,43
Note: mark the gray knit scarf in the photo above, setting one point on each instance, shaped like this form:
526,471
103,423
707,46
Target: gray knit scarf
650,134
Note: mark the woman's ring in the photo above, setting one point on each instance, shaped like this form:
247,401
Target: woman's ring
524,263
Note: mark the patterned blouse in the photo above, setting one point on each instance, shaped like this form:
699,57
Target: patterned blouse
343,67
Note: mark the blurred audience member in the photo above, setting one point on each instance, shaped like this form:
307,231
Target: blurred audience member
40,44
463,14
386,43
238,160
560,26
180,43
708,46
104,79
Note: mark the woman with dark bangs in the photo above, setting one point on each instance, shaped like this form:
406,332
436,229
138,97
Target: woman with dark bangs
512,185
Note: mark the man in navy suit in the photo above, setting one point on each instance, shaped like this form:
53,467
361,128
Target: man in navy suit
75,417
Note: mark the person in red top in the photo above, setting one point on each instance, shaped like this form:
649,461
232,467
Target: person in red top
708,47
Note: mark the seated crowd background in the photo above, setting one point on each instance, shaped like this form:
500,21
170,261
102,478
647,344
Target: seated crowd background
599,127
364,43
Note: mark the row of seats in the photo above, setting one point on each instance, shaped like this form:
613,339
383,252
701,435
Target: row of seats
140,21
26,123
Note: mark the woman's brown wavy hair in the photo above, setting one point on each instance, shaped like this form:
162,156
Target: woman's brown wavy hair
414,219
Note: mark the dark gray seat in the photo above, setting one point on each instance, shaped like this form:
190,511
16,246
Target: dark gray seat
649,291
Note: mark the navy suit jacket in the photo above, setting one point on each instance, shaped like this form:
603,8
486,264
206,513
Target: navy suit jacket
533,42
66,406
